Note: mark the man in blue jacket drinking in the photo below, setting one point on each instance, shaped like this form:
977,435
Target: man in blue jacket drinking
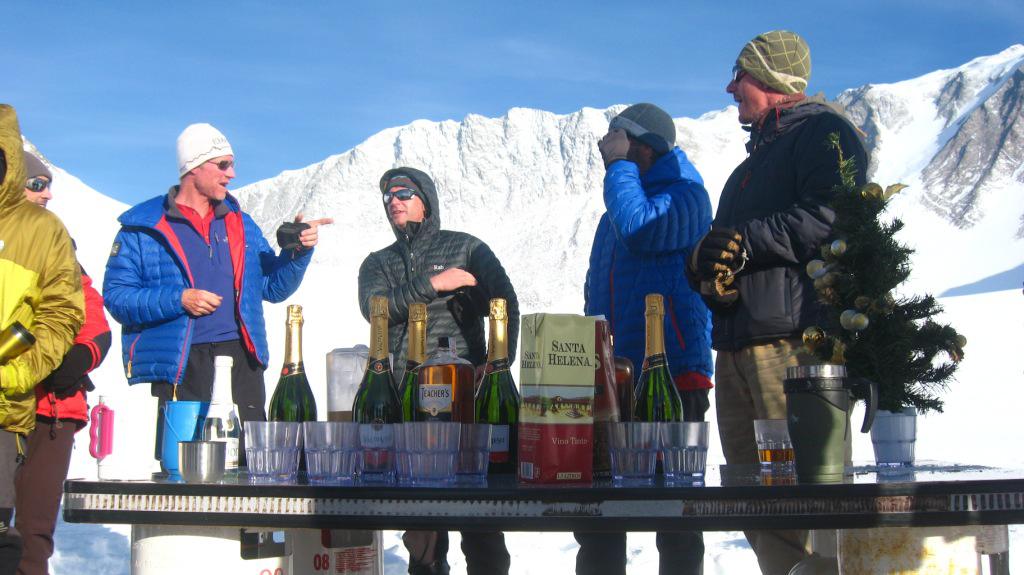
656,211
187,277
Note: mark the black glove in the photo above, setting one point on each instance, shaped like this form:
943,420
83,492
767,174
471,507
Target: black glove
720,293
719,251
613,146
70,376
695,403
288,235
468,304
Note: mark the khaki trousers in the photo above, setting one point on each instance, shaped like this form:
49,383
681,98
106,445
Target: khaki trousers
748,386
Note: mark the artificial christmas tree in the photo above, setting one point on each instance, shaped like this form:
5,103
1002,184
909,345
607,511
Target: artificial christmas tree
878,334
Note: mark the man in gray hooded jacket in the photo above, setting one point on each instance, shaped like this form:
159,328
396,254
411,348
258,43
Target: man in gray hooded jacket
456,275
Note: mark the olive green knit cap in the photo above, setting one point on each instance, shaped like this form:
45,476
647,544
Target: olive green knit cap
780,59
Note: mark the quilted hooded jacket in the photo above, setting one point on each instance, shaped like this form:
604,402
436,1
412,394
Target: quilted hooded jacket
402,272
778,199
40,284
651,226
147,273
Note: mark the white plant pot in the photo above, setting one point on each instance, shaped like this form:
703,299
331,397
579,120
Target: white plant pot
893,436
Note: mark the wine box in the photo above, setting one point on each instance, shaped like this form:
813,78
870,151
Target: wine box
556,416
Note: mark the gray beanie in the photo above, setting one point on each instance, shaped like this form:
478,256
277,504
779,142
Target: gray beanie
779,59
34,167
649,124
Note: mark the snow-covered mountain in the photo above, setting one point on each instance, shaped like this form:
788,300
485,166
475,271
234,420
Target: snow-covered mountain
529,184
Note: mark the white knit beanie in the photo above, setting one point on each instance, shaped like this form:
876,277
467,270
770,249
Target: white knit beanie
198,144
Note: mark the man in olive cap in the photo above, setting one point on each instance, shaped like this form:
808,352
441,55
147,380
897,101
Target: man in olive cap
773,216
657,209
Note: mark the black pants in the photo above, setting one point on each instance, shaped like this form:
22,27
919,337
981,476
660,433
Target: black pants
485,552
247,387
679,552
12,446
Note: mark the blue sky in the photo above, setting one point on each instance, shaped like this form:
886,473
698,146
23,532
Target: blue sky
104,88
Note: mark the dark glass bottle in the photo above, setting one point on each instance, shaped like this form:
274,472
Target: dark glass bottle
624,385
376,400
293,399
417,355
497,400
657,398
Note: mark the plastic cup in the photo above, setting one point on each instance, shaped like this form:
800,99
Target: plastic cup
401,456
474,453
684,449
774,448
377,442
432,447
272,450
332,451
633,447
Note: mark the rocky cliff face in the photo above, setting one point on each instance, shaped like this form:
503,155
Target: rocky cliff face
959,132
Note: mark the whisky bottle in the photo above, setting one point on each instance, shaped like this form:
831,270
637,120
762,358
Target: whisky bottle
445,385
497,400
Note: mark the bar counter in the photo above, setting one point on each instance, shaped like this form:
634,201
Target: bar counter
731,498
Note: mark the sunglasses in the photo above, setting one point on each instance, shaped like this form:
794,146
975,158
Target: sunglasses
37,184
223,165
404,194
738,73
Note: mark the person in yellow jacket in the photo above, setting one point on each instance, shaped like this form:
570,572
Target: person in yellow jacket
41,288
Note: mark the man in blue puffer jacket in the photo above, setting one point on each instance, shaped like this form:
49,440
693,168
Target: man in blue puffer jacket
657,211
187,277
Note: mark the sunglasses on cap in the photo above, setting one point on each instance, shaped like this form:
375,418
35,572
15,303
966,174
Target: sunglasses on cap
37,184
223,165
738,73
404,194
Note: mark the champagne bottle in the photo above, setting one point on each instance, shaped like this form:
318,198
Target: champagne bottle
416,356
445,385
376,400
657,398
221,423
497,400
293,399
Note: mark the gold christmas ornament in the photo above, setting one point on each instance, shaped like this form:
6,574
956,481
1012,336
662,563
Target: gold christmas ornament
813,336
816,269
893,190
838,247
846,319
830,279
819,284
859,322
961,341
862,303
839,353
871,190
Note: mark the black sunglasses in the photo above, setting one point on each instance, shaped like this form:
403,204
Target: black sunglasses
223,165
37,184
404,194
737,73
